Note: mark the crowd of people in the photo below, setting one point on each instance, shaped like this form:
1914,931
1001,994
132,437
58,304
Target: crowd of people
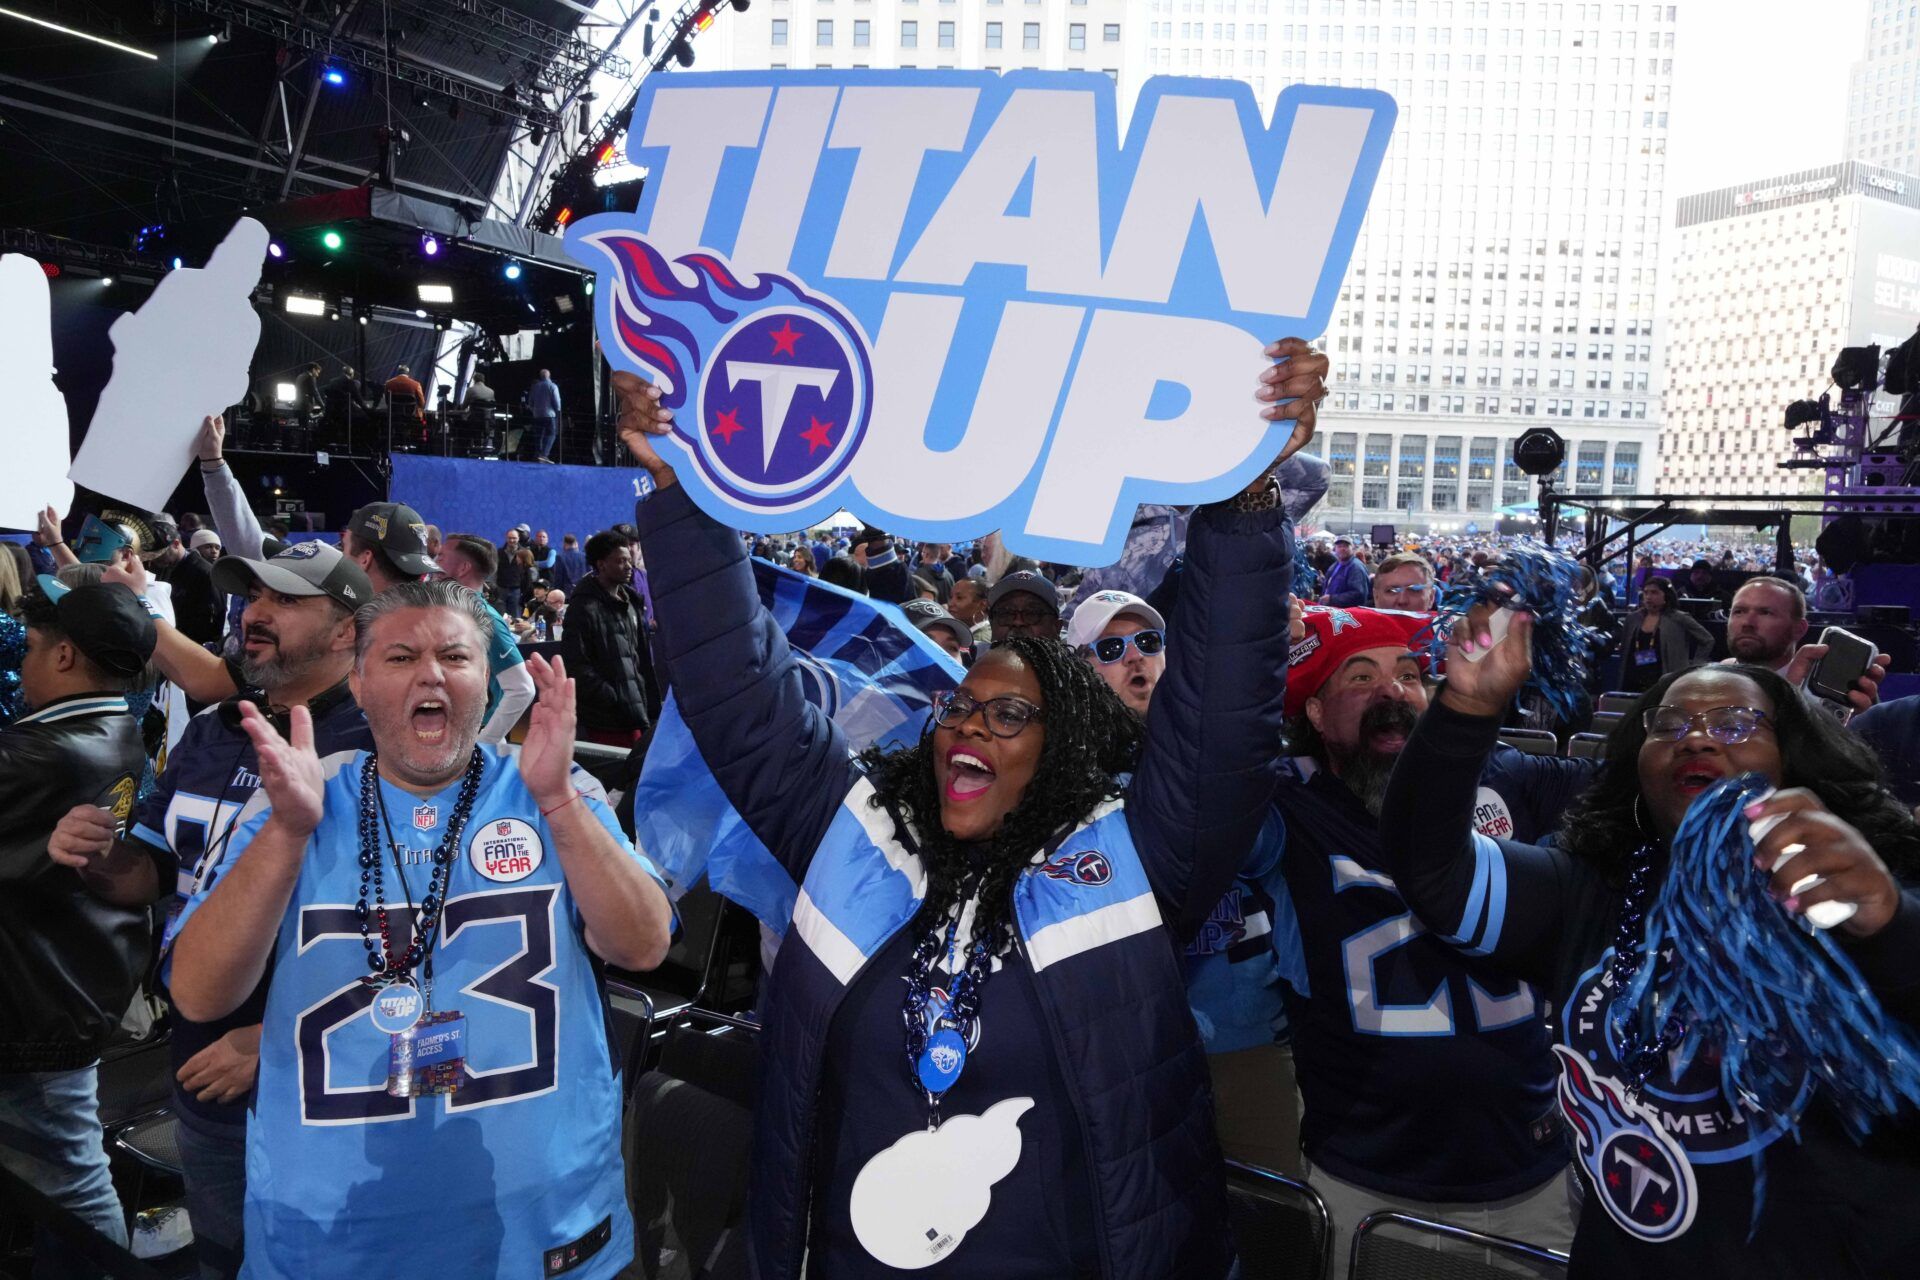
1201,856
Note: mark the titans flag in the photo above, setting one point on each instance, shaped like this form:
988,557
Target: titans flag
861,662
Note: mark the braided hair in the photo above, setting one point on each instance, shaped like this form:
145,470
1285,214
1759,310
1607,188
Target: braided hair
1092,738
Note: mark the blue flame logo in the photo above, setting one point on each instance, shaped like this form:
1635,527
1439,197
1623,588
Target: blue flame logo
1636,1168
771,386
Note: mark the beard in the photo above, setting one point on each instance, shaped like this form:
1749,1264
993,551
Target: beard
1754,650
1366,770
280,666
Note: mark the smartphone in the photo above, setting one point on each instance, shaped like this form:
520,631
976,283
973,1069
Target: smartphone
1847,659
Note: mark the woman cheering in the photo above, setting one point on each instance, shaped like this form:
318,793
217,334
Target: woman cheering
979,1058
1673,1166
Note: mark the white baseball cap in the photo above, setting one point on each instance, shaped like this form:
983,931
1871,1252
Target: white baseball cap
1102,607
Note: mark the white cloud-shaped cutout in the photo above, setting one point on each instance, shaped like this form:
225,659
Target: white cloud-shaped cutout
33,431
915,1202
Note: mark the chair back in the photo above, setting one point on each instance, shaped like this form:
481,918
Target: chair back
1399,1246
1279,1223
1603,721
1617,701
1587,746
688,1146
1535,742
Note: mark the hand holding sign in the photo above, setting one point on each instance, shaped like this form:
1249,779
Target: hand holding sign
1297,380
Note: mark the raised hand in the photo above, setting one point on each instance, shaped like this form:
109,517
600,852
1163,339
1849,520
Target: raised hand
85,834
546,757
1298,377
212,437
1486,686
642,417
1865,691
1829,848
48,531
135,579
289,767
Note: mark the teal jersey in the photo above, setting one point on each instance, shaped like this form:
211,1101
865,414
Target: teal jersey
517,1171
503,651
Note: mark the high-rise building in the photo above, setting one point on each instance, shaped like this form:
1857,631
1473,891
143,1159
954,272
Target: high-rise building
1883,92
1770,280
998,35
1505,276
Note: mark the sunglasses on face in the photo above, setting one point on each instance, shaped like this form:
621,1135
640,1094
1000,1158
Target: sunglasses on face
1728,726
1111,649
1005,716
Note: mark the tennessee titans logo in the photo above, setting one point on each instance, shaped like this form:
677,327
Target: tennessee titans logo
1090,868
1340,618
300,551
939,1011
1640,1174
772,386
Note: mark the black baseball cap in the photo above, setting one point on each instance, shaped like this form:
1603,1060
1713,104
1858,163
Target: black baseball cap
399,532
303,569
928,614
1034,584
105,621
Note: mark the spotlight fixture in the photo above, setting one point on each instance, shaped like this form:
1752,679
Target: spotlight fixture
331,239
436,293
1539,451
419,315
274,250
300,305
512,271
177,264
105,281
429,244
334,76
285,393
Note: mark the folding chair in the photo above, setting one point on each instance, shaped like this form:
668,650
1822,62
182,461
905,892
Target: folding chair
1399,1246
1603,721
1617,701
689,1137
1279,1223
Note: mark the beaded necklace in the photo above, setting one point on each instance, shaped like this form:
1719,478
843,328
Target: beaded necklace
963,1005
383,967
1638,1059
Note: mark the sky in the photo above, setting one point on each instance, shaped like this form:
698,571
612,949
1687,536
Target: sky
1759,89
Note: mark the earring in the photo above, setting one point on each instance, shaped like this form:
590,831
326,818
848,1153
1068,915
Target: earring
1639,822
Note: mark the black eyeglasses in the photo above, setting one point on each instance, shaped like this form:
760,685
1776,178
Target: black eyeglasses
1113,648
1011,617
1728,726
1006,716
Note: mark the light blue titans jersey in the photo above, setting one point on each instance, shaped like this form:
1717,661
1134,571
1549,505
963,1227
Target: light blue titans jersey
518,1173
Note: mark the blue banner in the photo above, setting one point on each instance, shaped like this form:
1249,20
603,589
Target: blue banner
861,662
487,497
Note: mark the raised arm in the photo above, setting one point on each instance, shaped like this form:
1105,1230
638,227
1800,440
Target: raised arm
233,519
1489,897
782,763
1212,757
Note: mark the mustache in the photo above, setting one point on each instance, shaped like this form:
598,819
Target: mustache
1387,717
261,631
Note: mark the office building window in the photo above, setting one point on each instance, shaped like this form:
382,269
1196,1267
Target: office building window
1379,453
993,35
862,33
909,35
1077,35
1592,466
780,32
1340,453
823,33
1626,467
946,35
1030,35
1110,33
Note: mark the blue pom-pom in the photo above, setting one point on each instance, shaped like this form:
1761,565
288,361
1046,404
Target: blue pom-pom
1545,583
1786,1010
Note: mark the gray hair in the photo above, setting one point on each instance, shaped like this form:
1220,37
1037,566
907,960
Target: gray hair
441,593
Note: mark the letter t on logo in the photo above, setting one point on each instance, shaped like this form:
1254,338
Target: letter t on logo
777,382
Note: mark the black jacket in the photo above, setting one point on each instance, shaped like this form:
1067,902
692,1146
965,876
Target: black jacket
198,610
69,963
605,646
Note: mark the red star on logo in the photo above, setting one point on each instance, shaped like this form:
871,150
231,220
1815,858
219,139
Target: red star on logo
1646,1152
784,337
816,435
1613,1179
1659,1210
725,424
